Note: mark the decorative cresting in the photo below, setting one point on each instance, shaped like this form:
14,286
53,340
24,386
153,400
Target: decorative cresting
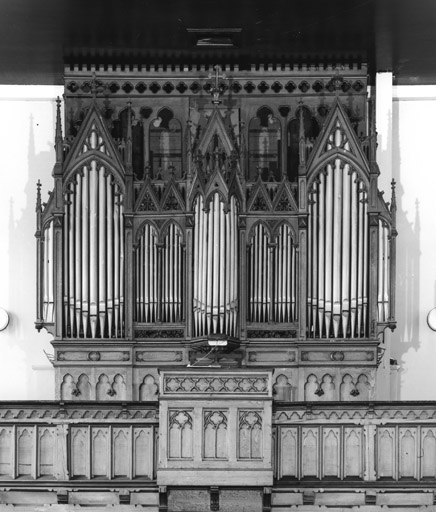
272,275
338,246
159,275
93,281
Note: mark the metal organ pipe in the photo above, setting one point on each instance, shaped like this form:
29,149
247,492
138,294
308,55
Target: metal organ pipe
383,273
365,260
321,252
354,253
328,250
361,263
85,251
93,249
344,270
78,249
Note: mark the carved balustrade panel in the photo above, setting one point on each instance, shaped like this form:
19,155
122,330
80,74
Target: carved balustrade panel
367,443
62,442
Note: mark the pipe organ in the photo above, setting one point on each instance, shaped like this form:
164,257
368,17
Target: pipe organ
216,220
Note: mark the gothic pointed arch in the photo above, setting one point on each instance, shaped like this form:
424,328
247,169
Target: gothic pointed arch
216,156
284,200
259,200
147,200
338,140
165,141
264,146
93,143
119,130
304,124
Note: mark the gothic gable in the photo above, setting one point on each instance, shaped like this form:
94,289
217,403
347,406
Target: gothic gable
337,139
93,142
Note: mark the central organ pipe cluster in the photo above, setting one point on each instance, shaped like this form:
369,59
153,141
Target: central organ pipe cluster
215,304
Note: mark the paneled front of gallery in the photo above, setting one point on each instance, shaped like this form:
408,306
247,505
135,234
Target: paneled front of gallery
216,265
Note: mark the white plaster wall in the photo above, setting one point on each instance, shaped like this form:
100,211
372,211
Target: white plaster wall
406,152
27,124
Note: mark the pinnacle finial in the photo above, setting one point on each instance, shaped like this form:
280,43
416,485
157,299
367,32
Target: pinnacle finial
38,196
58,136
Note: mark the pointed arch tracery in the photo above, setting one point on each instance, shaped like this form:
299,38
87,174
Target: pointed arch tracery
165,145
264,145
303,125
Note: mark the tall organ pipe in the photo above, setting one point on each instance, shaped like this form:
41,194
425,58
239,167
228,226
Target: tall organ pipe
344,270
78,240
85,251
354,254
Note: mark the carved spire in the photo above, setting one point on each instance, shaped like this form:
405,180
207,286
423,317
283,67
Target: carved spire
393,206
58,136
38,210
302,140
128,161
38,197
372,131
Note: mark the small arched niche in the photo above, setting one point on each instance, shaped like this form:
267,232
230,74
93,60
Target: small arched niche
165,145
264,144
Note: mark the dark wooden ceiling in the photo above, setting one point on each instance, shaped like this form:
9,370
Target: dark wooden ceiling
38,36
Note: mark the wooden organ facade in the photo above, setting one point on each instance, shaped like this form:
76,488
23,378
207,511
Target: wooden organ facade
231,219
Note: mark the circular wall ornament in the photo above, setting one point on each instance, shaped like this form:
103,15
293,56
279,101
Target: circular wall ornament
4,319
431,319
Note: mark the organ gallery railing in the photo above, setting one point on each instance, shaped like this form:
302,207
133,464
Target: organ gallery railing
59,441
329,443
365,441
